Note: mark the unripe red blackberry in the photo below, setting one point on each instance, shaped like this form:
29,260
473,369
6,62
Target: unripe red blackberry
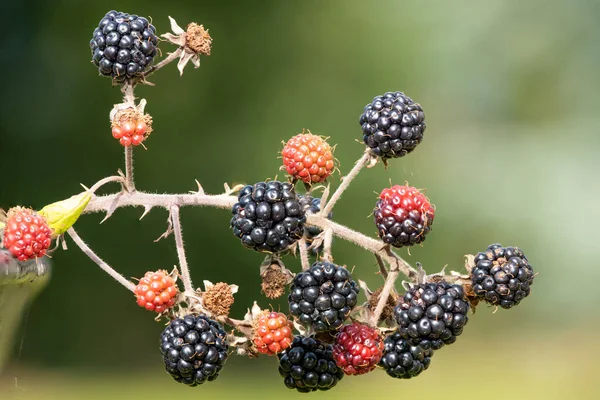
357,349
308,157
502,276
123,45
156,291
273,333
432,314
393,125
27,234
403,216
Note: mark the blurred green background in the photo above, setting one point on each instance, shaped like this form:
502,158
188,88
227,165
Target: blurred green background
510,92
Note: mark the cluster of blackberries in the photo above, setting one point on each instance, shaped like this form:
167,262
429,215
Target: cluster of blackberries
393,125
194,349
268,216
323,296
123,45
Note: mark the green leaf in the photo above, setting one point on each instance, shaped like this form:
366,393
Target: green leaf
63,214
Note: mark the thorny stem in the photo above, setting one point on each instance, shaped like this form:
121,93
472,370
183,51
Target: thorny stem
327,242
107,268
170,58
104,181
385,293
183,265
346,182
129,183
303,249
382,269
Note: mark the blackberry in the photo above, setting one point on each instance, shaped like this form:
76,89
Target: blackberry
312,205
403,216
393,125
432,314
308,365
194,349
123,45
268,216
403,360
502,276
323,296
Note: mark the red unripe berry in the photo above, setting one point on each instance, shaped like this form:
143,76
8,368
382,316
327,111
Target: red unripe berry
26,234
125,141
308,157
140,128
156,291
272,333
127,128
137,139
117,132
357,349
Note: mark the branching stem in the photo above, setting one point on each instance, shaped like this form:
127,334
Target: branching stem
345,183
183,265
303,250
170,58
105,267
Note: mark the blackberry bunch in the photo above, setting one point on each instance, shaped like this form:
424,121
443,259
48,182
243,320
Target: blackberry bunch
393,125
432,314
194,349
268,216
403,360
502,276
308,365
312,205
323,296
123,45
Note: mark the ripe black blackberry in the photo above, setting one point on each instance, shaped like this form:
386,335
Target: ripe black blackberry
123,45
393,125
194,349
502,276
323,296
268,216
308,365
403,360
432,314
312,205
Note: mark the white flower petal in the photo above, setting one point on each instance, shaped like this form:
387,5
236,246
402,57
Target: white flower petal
175,28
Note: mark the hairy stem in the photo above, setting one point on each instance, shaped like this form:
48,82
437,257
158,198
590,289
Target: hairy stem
106,180
170,58
358,166
107,268
128,93
129,183
382,269
303,249
385,294
327,243
183,265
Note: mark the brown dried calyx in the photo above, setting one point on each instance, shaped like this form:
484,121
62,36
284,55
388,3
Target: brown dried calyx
388,309
275,277
133,116
198,39
218,298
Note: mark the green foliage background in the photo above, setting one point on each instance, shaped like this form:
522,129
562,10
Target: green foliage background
510,91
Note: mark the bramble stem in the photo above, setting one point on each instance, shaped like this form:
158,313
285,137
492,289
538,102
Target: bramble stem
327,242
183,265
170,58
303,249
385,294
107,268
358,166
106,180
129,183
382,269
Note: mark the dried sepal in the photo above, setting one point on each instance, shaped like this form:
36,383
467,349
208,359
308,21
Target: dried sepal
195,40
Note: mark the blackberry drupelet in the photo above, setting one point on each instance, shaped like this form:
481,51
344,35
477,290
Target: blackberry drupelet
323,296
393,125
432,314
502,276
401,359
312,205
194,349
403,216
123,45
268,216
308,366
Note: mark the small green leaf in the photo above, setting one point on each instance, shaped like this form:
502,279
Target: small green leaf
63,214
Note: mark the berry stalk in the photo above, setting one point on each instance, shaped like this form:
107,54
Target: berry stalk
105,267
183,265
385,294
346,182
